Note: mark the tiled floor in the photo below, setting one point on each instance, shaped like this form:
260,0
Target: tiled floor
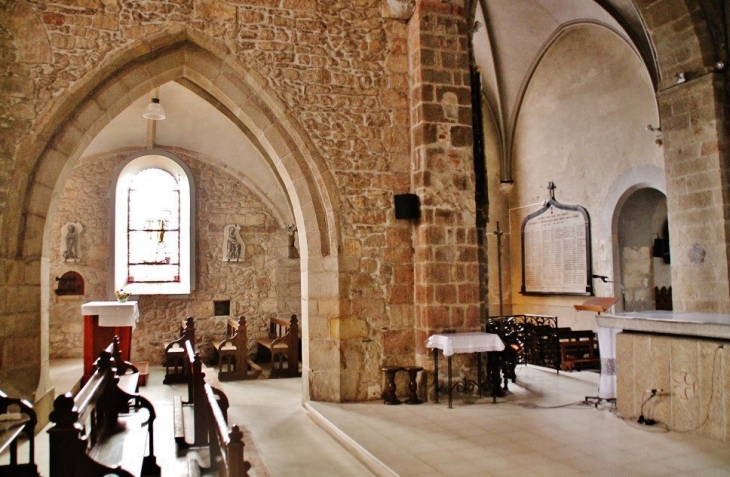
541,429
538,430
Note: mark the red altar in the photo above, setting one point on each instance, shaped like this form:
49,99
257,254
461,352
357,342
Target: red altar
102,321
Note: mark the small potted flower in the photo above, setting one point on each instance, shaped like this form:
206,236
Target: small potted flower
121,295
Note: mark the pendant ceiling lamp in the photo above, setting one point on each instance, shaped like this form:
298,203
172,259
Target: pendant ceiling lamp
154,110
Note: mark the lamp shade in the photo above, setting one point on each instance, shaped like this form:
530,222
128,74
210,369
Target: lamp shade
154,110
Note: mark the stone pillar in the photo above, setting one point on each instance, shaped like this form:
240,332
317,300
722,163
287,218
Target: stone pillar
446,253
695,128
20,340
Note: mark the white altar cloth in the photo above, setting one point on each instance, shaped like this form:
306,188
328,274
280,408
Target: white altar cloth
465,343
113,313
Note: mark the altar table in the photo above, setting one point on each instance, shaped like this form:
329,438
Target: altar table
455,343
102,321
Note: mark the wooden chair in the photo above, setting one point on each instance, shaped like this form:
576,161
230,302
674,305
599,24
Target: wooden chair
175,353
578,348
282,346
232,353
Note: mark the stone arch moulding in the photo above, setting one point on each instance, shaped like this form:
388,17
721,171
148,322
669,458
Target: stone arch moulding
69,124
641,177
246,95
692,42
506,169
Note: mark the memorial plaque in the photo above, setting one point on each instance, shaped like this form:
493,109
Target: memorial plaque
556,256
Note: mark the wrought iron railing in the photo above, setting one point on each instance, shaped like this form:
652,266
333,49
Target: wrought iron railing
536,337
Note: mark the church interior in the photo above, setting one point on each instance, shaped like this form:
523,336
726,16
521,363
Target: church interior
385,172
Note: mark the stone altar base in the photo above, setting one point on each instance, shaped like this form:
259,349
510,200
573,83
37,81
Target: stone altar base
693,374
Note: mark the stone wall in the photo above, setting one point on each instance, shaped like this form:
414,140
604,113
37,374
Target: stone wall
447,272
695,129
693,375
265,284
339,70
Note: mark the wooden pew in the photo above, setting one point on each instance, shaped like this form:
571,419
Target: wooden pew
209,409
17,418
232,352
578,348
127,373
282,345
175,353
226,448
196,394
96,433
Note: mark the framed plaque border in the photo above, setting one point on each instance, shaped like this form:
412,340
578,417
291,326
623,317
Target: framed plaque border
576,208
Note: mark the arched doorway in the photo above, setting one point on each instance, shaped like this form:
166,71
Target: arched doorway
643,262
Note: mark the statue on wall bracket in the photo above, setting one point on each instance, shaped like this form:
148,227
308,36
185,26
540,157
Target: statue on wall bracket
293,241
70,241
234,249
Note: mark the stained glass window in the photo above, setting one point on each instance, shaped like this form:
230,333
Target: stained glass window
154,208
153,228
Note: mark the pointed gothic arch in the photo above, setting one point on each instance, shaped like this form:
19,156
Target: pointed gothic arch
203,66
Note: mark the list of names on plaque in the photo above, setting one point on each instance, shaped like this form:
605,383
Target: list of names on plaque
555,252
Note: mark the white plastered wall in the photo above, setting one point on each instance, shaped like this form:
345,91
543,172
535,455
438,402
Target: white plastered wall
583,125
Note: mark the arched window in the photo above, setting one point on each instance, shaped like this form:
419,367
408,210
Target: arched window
153,234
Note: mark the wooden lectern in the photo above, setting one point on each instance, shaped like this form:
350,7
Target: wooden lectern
598,304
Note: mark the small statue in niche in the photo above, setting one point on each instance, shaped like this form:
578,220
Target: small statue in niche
70,235
293,241
233,244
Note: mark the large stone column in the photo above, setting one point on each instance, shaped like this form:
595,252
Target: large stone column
695,127
446,254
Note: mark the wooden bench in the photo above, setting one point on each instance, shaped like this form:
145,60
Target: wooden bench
578,349
226,448
17,419
232,353
192,431
282,345
127,374
103,429
175,353
209,408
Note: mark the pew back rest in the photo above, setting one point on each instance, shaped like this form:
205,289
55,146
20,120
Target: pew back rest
280,331
89,417
578,347
226,448
186,332
18,417
232,328
92,438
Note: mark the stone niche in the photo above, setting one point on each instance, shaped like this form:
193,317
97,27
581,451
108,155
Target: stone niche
691,376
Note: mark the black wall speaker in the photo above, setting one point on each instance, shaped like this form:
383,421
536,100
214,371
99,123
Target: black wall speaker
407,206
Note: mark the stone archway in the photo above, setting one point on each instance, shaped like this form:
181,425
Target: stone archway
629,183
641,220
281,141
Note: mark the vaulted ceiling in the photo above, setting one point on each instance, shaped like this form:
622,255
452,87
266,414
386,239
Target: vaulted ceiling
512,36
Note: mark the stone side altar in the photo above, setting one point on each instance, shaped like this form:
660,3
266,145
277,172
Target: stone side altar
685,357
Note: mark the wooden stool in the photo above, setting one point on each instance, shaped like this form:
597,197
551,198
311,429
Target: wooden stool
412,384
389,393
